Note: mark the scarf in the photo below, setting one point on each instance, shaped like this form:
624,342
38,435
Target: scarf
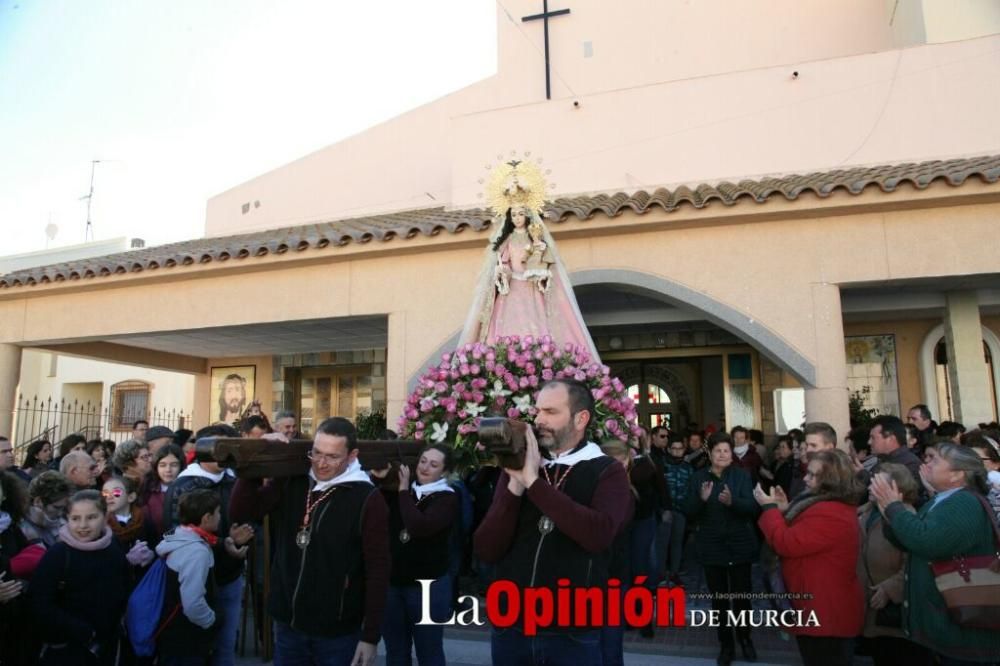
352,474
195,470
806,500
439,486
129,531
587,452
100,543
210,539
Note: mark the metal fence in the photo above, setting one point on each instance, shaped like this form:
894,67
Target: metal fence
44,418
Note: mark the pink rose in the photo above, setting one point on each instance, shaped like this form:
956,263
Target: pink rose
474,369
547,375
512,413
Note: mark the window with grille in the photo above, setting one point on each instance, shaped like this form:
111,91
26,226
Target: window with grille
129,403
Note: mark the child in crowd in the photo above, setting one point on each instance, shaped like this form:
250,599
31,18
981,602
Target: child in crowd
133,531
168,463
79,591
187,626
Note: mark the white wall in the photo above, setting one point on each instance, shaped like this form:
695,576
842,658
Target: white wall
45,375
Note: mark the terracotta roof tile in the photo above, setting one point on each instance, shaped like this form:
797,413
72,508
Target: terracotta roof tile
432,221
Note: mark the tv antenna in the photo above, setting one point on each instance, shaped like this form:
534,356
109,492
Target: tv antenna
88,232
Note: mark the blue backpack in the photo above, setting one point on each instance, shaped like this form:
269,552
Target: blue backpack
145,607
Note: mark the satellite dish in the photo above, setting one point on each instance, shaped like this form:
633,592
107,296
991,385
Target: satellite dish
51,230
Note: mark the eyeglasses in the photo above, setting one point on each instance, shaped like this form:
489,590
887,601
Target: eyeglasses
329,459
114,492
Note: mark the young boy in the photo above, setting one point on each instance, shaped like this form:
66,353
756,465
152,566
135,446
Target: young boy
187,627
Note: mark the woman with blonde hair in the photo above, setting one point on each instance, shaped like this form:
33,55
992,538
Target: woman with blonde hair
881,568
954,523
817,540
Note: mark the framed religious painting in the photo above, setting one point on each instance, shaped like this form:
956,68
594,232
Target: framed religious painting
232,389
872,373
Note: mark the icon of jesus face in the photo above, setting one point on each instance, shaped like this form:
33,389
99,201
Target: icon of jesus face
233,395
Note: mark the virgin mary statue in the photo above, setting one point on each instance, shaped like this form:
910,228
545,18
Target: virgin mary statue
523,288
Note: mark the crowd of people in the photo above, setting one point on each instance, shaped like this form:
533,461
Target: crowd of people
849,536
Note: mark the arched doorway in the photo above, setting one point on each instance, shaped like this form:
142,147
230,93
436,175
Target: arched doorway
937,390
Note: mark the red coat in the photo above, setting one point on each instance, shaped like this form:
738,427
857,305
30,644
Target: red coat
818,546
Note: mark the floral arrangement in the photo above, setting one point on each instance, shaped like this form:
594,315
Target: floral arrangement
502,379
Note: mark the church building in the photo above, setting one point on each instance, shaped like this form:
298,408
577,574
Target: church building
764,209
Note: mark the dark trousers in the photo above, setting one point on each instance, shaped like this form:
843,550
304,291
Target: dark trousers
897,651
294,648
510,647
825,650
401,632
732,579
641,554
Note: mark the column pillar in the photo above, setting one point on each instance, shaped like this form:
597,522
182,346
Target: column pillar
10,376
970,388
826,400
395,369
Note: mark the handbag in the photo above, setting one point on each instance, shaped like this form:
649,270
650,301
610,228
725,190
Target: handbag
970,584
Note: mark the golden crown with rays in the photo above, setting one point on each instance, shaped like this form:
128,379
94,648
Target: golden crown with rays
516,183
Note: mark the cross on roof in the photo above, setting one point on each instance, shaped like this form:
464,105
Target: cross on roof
544,16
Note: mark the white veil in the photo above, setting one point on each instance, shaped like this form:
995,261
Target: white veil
478,321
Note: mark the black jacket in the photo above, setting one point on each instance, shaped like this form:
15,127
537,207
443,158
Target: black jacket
724,535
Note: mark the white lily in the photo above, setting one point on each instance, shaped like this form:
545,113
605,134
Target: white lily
523,403
473,409
439,432
498,390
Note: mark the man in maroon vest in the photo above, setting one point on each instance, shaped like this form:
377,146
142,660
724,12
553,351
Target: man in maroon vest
554,519
330,574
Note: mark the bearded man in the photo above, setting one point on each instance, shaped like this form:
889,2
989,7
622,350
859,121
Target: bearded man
553,519
232,398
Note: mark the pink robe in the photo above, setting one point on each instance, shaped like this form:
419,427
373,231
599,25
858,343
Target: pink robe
526,310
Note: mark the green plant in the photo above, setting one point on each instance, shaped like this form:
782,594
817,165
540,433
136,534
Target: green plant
370,423
861,416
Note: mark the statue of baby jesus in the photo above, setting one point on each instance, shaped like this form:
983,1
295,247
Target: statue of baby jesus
536,265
